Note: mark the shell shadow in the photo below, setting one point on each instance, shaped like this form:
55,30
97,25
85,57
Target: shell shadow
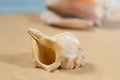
20,59
88,68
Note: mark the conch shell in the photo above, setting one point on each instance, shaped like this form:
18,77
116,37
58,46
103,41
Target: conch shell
62,50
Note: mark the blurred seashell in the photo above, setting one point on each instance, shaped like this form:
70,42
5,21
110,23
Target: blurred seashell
76,23
77,8
62,50
94,10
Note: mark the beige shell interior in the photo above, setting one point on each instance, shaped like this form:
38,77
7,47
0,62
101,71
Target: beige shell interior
42,53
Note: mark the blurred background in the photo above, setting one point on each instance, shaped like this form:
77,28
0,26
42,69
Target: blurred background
29,6
21,6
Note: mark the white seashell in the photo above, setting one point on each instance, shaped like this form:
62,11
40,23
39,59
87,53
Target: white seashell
52,18
62,50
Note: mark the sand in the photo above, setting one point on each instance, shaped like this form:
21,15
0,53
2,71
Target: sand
101,47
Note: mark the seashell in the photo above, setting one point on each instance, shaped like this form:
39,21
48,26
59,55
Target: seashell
62,50
52,18
94,10
77,8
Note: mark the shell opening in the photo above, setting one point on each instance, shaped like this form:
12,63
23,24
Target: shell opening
46,55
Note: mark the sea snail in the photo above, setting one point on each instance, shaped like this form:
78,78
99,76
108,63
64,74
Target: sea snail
62,50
